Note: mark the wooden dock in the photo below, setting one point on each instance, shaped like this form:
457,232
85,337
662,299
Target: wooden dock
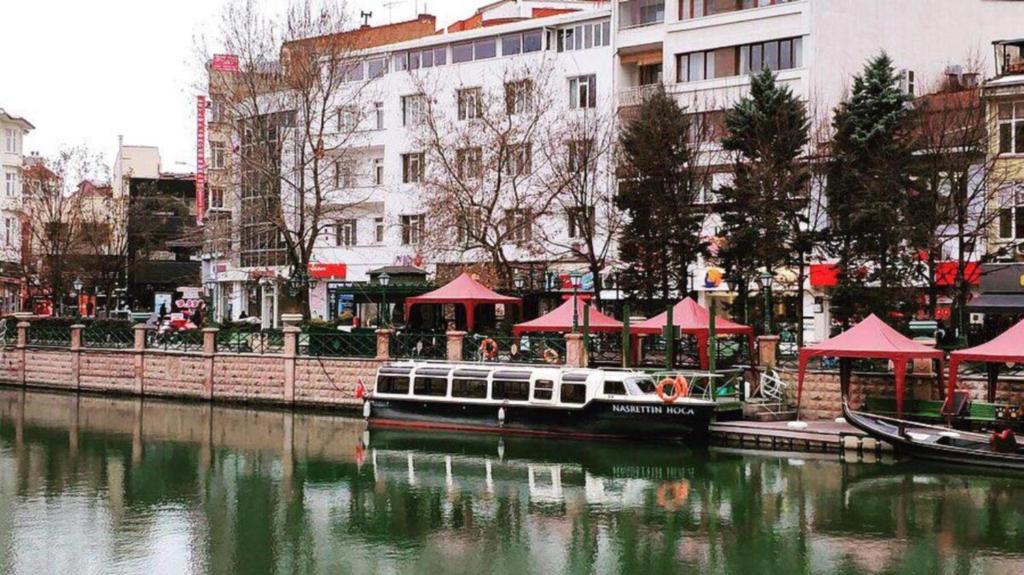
818,436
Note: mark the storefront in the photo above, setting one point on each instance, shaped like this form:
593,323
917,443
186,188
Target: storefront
1001,301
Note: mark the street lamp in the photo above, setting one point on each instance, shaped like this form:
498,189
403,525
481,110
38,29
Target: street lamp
76,290
575,279
77,285
384,280
519,281
766,289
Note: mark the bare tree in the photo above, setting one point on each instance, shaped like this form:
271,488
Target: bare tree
486,171
294,108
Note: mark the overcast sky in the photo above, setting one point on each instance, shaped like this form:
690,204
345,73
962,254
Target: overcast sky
85,71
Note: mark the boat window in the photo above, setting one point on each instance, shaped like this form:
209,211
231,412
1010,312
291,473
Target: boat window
543,389
640,385
574,393
434,386
578,376
511,390
390,384
614,387
514,375
470,388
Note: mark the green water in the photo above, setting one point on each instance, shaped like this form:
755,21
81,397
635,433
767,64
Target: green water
99,485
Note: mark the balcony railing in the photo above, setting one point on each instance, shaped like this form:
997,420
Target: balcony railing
635,13
637,95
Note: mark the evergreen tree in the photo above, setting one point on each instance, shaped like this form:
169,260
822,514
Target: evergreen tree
764,207
659,183
869,189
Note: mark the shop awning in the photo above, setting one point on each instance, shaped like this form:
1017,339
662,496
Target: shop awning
998,303
692,319
463,290
871,338
560,319
1005,348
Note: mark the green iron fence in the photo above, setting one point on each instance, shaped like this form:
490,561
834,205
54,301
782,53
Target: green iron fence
268,341
338,344
102,336
49,336
516,349
180,340
419,345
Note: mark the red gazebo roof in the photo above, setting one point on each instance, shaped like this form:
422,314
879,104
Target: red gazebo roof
1006,347
871,338
560,319
462,290
691,318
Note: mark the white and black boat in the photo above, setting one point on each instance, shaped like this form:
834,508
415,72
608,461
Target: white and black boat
999,450
538,400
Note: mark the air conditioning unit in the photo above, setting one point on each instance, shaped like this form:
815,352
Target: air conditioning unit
977,318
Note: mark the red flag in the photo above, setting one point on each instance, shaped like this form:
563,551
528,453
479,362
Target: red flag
360,390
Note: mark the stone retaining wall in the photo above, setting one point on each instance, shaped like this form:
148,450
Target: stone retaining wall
282,379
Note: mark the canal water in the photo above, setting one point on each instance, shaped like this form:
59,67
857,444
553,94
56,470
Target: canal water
100,485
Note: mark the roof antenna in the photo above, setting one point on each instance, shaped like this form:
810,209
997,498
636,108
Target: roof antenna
366,18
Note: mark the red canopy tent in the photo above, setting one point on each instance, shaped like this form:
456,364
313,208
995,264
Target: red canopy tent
560,319
692,319
871,338
1007,348
462,290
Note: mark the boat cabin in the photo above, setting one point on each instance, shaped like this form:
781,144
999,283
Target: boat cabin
511,384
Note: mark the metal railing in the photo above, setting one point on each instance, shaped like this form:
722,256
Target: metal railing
534,348
267,341
180,340
101,336
338,344
49,336
605,348
418,345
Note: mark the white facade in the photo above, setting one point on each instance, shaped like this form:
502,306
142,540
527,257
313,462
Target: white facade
12,161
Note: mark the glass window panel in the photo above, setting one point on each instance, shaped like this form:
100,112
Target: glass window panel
375,68
709,65
570,36
756,58
399,62
785,54
469,388
574,393
681,67
462,53
578,38
427,58
588,37
533,41
607,33
414,60
696,66
771,55
1005,111
1006,138
1018,110
1006,223
486,48
798,52
511,45
1019,137
744,60
1019,225
440,56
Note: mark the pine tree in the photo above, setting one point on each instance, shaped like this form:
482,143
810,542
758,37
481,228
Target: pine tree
869,190
658,189
764,207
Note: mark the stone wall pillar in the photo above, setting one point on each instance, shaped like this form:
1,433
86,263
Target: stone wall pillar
291,351
575,352
767,350
20,346
383,344
209,353
76,354
455,340
138,353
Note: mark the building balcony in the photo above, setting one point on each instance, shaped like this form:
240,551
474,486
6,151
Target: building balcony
637,95
637,13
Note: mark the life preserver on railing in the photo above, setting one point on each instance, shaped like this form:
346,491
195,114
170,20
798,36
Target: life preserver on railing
489,348
679,388
551,356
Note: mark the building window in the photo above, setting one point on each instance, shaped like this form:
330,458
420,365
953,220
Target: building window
520,160
378,229
477,50
216,197
10,232
11,141
352,71
580,221
641,13
1011,128
518,225
472,227
695,66
416,59
344,174
412,229
218,111
345,233
218,156
650,74
375,68
413,109
469,103
583,91
775,55
518,96
584,36
378,171
700,8
378,115
412,168
1011,212
469,163
579,154
348,119
11,183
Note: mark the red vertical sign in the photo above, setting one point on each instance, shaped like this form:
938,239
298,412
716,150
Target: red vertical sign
200,158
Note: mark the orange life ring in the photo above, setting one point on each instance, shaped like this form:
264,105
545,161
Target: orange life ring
672,495
679,388
489,348
551,356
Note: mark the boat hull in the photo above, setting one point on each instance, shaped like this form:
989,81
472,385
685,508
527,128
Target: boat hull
885,430
597,419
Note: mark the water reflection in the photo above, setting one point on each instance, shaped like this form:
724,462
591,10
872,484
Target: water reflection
92,484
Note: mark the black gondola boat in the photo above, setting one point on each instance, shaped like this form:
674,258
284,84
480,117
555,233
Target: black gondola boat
937,443
532,400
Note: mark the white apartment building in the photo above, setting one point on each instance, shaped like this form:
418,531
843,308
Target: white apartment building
702,52
13,130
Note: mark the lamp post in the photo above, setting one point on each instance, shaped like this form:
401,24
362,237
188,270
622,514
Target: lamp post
766,289
575,279
384,280
76,290
519,281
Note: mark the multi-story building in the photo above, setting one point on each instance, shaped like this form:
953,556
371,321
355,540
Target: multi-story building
13,130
